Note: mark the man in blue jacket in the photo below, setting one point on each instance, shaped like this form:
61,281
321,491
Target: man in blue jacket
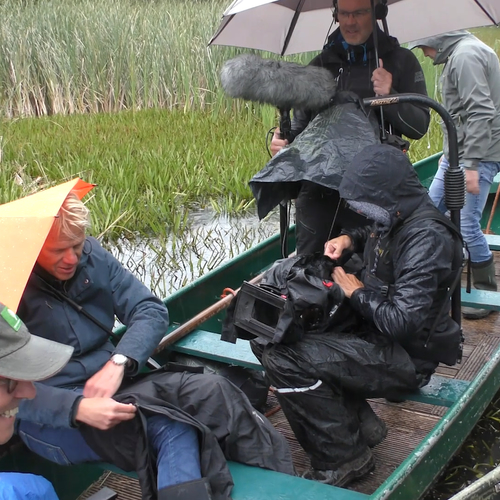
75,266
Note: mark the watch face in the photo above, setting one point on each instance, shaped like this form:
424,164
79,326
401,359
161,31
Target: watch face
119,359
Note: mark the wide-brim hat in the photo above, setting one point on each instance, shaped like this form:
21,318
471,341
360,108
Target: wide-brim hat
27,357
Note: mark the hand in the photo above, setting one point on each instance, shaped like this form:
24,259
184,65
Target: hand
104,413
277,143
105,382
382,80
348,282
472,181
335,247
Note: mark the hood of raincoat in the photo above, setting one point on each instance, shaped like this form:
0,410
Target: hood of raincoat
444,44
383,176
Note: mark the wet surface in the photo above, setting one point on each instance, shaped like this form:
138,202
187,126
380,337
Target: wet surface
167,264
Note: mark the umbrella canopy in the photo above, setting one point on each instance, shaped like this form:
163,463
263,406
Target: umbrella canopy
294,26
24,226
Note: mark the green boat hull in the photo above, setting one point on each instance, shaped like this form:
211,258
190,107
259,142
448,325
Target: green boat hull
410,480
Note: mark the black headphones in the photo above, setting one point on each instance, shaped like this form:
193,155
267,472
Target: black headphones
381,10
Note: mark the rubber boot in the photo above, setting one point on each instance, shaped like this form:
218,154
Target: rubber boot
199,489
483,278
372,427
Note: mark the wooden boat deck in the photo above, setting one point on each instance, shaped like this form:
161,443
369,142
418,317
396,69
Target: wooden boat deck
408,422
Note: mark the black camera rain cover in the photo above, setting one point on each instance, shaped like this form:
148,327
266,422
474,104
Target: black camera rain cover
314,303
319,154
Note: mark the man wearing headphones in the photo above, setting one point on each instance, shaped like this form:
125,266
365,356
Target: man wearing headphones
350,56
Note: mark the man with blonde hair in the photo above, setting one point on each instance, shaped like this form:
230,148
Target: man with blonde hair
73,295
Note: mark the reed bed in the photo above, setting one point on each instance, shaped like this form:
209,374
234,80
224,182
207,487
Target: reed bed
126,94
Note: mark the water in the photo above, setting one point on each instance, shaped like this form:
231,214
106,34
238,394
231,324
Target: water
167,264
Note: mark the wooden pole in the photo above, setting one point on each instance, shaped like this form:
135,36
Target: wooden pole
492,213
207,313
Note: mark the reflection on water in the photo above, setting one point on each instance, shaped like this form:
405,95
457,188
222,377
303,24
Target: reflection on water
165,265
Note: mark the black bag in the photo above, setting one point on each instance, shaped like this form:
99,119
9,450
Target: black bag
298,297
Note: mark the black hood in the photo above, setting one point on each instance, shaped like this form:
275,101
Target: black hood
384,176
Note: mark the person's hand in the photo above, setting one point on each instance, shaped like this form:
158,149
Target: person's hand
277,143
105,382
382,80
335,247
103,413
472,181
348,282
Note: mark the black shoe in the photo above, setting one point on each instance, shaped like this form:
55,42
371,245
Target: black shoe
345,473
372,427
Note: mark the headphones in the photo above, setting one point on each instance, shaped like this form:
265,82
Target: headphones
381,10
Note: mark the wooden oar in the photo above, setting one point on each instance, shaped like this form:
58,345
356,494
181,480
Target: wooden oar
202,316
492,213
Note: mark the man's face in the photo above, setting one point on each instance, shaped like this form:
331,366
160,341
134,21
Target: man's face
429,52
355,20
60,255
9,403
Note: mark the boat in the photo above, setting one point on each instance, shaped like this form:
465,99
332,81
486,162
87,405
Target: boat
425,430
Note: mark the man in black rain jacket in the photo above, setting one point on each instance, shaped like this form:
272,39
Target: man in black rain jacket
323,380
350,56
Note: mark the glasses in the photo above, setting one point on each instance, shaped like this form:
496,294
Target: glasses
356,14
10,383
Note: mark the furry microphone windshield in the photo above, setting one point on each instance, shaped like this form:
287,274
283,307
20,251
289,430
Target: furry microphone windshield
283,84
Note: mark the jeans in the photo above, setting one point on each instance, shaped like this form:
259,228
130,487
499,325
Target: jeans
175,446
470,215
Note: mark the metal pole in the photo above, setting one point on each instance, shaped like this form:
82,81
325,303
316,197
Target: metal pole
454,182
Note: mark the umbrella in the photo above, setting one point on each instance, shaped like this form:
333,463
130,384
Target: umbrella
293,26
24,226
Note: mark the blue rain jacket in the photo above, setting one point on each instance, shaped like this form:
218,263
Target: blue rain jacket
105,289
16,486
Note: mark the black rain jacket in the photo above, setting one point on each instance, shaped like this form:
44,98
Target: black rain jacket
407,269
228,427
353,68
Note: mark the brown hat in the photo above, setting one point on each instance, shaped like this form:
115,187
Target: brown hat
27,357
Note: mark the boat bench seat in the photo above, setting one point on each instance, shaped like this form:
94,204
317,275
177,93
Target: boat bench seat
253,483
493,241
441,391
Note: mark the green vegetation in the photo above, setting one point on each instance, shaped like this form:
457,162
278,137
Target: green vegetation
151,166
165,140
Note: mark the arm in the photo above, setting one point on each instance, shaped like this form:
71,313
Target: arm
409,119
145,315
422,259
469,77
52,406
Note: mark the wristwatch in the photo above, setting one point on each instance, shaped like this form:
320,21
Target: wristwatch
119,359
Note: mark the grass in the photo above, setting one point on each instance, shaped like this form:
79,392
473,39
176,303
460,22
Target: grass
151,166
126,94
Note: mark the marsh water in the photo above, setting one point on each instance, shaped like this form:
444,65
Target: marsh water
209,239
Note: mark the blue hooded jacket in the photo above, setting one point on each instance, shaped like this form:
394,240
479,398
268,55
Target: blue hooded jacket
105,289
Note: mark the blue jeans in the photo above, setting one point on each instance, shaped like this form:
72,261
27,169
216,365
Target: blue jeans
470,215
175,445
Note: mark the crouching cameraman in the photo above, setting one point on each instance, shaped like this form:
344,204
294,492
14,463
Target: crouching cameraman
404,329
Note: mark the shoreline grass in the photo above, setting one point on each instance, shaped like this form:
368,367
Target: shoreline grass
126,94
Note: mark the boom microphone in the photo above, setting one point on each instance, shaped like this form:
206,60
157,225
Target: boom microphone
283,84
